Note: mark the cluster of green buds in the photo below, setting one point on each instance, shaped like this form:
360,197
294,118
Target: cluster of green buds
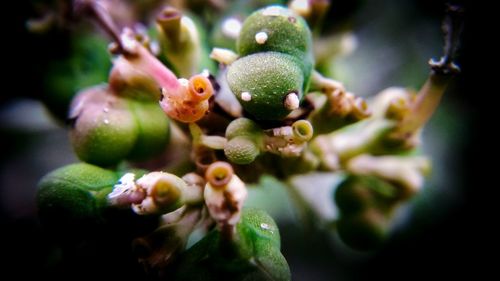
265,110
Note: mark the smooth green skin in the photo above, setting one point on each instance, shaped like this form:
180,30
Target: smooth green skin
287,33
153,130
364,231
270,71
365,204
253,255
89,64
74,195
72,204
129,129
357,193
268,77
104,138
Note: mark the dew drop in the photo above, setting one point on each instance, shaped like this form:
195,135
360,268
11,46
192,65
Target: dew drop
292,101
261,37
246,96
264,226
106,121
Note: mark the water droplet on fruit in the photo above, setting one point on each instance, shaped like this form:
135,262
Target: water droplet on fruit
246,96
261,37
292,101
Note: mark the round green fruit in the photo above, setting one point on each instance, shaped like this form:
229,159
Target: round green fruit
364,231
241,150
104,130
153,130
277,29
74,195
357,193
242,127
261,82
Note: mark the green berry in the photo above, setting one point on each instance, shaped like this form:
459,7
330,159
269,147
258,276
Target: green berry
153,128
242,127
364,231
276,61
352,197
365,204
241,150
104,130
276,29
357,193
108,129
262,82
244,136
74,195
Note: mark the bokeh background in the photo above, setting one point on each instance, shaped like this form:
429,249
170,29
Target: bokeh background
393,41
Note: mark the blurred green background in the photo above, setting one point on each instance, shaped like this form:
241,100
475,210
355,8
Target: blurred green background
393,39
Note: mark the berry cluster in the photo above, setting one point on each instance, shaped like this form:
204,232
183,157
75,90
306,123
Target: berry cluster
263,110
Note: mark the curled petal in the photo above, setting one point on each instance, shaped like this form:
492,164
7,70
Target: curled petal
200,88
189,102
302,130
219,174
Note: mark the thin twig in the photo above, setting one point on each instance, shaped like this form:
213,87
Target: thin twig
429,96
452,29
99,13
